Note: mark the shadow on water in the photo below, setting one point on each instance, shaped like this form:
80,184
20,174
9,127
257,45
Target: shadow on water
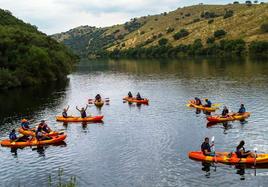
39,149
26,102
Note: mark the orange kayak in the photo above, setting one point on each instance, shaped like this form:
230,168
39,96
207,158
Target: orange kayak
191,103
225,158
134,100
33,142
32,132
218,119
79,119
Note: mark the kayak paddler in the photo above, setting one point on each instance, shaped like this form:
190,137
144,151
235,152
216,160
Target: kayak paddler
64,113
197,101
209,104
44,127
130,94
242,109
25,124
82,111
241,153
225,112
206,148
98,98
138,97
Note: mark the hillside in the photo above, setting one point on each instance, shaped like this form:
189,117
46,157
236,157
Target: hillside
29,57
239,21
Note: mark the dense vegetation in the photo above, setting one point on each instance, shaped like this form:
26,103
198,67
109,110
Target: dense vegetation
29,57
223,48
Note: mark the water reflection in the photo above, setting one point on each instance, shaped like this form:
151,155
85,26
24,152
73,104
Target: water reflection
240,169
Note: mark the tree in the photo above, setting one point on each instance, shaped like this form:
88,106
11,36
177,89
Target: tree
236,2
248,3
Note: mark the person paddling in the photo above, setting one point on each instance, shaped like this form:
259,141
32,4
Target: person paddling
82,111
138,97
242,109
225,112
208,103
64,113
12,135
130,94
206,148
98,98
197,101
44,127
241,153
25,124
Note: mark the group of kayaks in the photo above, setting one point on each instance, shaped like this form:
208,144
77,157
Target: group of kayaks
218,118
224,157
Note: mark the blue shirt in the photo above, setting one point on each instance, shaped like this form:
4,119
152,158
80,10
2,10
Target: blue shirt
12,136
242,110
25,125
209,103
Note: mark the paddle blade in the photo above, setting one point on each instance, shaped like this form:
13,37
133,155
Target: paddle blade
213,138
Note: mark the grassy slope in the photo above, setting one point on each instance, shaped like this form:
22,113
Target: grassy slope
244,24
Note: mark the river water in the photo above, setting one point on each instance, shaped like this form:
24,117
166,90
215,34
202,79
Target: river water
140,145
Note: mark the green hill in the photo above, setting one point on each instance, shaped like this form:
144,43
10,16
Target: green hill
184,26
29,57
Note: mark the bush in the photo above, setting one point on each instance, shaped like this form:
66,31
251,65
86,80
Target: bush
160,35
236,2
170,29
210,40
163,41
196,20
264,27
259,47
164,13
228,13
208,15
182,33
188,15
210,21
219,33
142,32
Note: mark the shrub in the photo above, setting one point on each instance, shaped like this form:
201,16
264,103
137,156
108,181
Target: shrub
219,33
156,19
228,13
170,29
177,19
182,33
188,15
210,21
196,20
210,40
160,35
142,32
258,47
236,2
164,13
264,27
163,41
208,15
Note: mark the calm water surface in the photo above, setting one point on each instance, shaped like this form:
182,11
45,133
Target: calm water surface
140,145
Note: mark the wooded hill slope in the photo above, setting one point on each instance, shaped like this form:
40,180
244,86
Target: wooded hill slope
29,57
184,26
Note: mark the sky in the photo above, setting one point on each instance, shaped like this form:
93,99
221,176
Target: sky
54,16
